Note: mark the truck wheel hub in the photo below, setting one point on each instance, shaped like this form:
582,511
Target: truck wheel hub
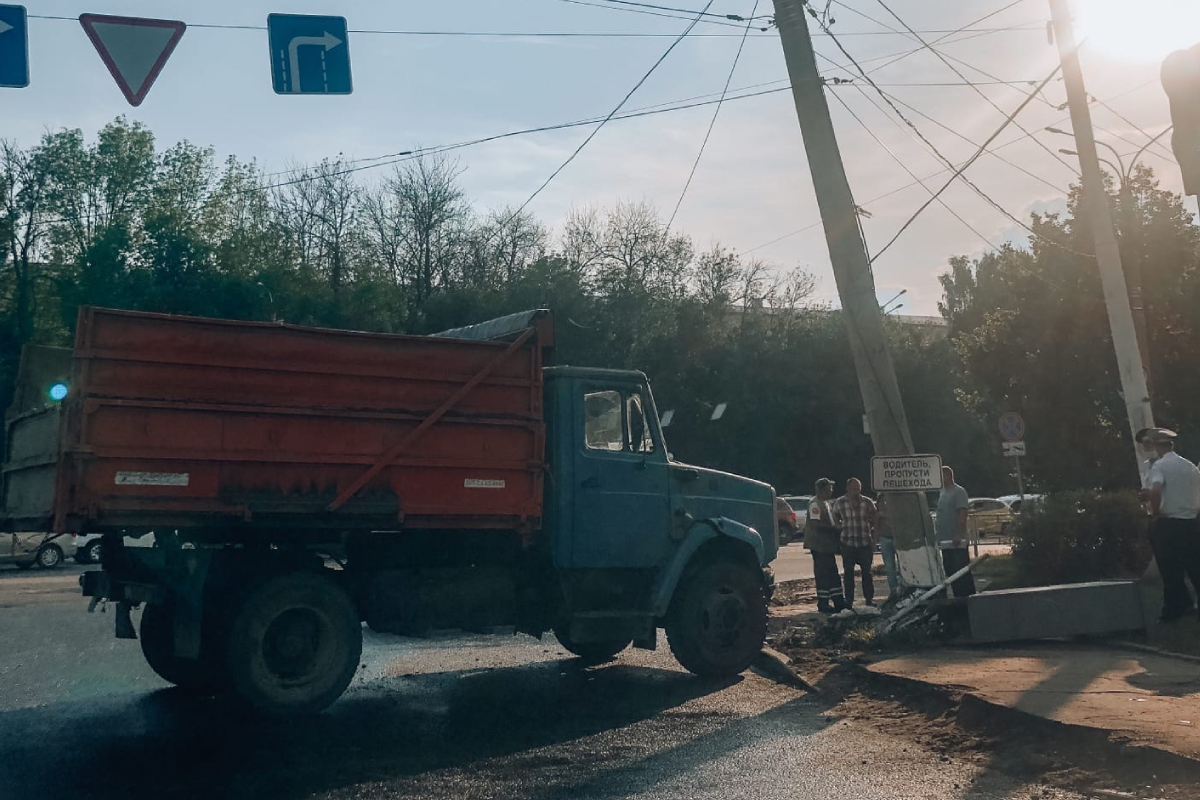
292,643
723,617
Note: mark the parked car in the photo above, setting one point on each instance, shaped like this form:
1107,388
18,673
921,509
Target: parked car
45,550
1014,502
785,519
87,546
799,501
988,516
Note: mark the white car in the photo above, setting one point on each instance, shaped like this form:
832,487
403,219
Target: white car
87,546
1013,501
45,550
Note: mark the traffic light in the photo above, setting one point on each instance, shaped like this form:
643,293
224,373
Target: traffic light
58,391
1181,80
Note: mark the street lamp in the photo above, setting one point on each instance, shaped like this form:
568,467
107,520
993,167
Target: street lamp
898,295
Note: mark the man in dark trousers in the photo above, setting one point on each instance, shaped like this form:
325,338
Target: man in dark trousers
821,537
856,516
951,529
1173,485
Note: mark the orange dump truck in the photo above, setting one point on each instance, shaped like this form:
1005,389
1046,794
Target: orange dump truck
297,482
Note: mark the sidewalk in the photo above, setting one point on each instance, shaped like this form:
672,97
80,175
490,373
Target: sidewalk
1146,699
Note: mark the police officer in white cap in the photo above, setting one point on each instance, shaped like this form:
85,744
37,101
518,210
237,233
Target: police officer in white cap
1173,488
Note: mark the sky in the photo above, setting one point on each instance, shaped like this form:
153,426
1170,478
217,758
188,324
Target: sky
752,191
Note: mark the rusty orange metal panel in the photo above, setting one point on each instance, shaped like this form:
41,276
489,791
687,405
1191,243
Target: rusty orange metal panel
198,423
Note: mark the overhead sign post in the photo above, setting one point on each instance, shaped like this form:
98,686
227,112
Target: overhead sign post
14,47
134,49
906,473
1012,431
309,54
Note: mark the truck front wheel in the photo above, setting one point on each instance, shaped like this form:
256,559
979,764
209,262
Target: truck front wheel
158,646
591,652
294,645
718,619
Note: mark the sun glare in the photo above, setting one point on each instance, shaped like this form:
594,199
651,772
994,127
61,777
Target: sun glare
1147,30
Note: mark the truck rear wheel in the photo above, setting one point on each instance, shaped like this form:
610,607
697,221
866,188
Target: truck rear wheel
294,645
718,619
157,635
592,652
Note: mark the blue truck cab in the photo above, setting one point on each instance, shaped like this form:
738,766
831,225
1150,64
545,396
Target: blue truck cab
640,541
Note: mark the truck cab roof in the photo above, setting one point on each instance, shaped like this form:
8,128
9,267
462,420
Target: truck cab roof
595,373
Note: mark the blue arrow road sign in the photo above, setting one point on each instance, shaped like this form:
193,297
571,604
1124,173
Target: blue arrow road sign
14,47
309,54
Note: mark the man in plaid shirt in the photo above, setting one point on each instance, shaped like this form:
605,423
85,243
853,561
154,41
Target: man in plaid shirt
856,515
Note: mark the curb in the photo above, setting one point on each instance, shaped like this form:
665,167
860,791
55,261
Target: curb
775,665
978,712
1158,651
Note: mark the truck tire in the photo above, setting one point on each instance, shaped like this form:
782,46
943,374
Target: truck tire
294,645
202,676
591,652
718,619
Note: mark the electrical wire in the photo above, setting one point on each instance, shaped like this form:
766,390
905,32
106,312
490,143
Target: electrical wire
925,140
911,174
907,186
971,161
555,34
611,114
973,143
940,40
941,57
1153,139
713,121
689,11
654,13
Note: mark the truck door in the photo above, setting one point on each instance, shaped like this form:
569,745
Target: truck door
621,503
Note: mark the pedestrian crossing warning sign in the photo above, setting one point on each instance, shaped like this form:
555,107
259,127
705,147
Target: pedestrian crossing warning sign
906,473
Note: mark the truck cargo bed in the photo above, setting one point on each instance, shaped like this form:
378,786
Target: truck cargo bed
186,423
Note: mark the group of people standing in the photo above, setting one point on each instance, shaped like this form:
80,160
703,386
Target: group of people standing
853,525
849,526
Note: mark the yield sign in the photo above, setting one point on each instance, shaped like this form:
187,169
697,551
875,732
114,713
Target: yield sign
134,49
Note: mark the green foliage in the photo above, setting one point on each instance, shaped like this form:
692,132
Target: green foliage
118,221
1070,537
1030,330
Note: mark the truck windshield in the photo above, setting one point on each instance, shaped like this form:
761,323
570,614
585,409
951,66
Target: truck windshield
602,421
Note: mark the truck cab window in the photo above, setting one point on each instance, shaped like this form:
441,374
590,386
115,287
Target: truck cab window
602,426
640,440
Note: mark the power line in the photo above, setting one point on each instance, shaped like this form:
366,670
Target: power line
941,57
924,139
1137,128
654,13
972,160
907,186
548,34
941,39
690,12
911,174
712,122
611,114
973,143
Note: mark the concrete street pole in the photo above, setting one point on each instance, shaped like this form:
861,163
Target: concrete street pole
1108,255
856,288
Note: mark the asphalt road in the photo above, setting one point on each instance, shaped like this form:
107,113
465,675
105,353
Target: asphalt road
458,717
795,563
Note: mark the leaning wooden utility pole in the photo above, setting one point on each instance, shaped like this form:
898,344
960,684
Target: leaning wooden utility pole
1108,254
888,424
